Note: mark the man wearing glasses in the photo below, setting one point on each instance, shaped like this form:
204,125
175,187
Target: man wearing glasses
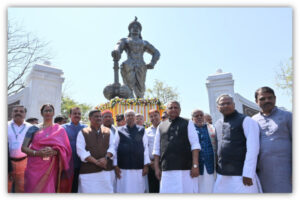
237,150
207,154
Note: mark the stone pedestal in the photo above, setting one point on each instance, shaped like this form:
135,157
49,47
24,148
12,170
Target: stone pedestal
140,105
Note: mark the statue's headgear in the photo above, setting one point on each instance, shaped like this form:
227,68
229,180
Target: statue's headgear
135,22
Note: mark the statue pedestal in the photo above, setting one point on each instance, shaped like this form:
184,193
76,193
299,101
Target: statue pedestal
139,105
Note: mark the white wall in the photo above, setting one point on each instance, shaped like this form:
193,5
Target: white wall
42,85
223,83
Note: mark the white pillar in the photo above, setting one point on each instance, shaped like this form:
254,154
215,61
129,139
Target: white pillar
217,84
44,85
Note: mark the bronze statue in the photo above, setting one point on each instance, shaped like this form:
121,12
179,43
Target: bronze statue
134,69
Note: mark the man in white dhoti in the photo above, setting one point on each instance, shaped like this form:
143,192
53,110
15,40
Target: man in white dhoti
207,153
176,149
107,121
132,156
237,150
95,147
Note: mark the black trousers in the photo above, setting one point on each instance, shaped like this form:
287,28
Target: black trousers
153,181
75,181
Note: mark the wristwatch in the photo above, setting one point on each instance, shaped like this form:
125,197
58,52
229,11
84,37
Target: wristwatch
195,166
107,157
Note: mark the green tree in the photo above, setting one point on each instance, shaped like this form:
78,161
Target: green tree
68,103
162,91
284,78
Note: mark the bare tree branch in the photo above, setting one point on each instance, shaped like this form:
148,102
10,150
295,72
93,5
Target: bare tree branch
23,51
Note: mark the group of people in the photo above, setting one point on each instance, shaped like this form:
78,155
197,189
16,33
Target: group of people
238,154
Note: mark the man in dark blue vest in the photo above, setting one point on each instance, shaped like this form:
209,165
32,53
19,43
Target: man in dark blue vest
132,158
176,150
207,140
237,150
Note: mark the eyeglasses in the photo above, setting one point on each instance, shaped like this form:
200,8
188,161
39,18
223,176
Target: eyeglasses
226,103
197,116
48,110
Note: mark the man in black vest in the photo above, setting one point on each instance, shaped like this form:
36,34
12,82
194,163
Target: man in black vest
237,150
176,150
132,156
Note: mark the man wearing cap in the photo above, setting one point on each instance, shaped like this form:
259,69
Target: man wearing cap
95,147
16,131
107,121
132,156
176,149
72,130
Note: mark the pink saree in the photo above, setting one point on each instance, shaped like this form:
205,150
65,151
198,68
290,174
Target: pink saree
52,174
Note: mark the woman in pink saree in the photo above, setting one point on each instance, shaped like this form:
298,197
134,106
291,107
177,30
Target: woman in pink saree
49,166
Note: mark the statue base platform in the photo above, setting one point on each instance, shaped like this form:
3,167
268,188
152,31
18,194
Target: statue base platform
139,105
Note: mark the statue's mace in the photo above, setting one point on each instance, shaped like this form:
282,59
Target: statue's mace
113,90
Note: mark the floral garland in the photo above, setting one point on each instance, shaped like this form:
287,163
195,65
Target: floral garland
133,101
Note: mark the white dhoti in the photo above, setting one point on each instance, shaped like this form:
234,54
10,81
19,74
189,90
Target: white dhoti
234,184
206,182
114,181
131,181
99,182
178,181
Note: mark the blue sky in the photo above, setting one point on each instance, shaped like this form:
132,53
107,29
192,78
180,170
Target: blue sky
194,42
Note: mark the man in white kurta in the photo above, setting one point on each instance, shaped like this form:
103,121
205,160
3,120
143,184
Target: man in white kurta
152,182
100,181
107,121
206,134
132,156
237,137
178,180
16,131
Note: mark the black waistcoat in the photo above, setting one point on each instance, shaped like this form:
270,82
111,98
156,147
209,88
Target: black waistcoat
131,147
175,147
231,143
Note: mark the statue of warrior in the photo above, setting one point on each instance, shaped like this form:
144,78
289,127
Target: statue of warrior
134,69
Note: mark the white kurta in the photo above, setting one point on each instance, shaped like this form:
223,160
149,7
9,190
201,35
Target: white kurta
178,181
98,182
15,137
132,181
234,184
